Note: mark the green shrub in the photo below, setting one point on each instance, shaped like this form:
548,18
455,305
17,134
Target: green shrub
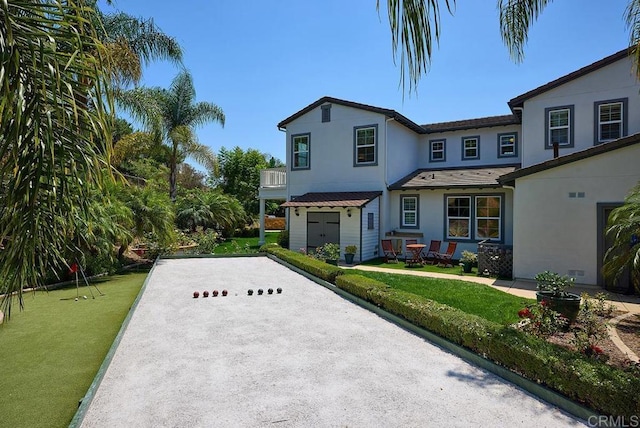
604,388
283,239
207,241
313,266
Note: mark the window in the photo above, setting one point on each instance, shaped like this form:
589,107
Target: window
559,125
610,120
300,151
437,150
365,145
409,214
488,223
458,217
326,113
484,212
370,225
470,147
507,145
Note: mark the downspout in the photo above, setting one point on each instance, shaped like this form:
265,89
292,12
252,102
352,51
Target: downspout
385,191
286,213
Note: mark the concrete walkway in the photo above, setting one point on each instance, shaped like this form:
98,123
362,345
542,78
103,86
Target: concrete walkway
303,358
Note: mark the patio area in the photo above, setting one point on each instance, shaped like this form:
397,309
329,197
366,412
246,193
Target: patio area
305,357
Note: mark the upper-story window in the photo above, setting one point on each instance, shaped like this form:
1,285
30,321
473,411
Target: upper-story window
470,147
409,214
326,113
610,120
559,126
365,145
300,150
507,145
437,150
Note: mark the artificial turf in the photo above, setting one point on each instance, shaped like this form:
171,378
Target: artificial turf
51,351
470,297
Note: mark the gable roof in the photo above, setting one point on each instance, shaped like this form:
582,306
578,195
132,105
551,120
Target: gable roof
384,111
520,99
509,179
446,178
483,122
333,199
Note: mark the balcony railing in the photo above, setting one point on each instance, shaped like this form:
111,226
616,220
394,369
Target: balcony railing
273,178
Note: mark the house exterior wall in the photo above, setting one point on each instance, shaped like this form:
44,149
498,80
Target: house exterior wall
368,247
559,233
615,81
432,215
402,152
453,154
332,152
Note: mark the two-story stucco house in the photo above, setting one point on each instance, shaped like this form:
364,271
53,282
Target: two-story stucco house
357,174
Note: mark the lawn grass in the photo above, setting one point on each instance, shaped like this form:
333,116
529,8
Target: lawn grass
455,270
51,351
245,245
470,297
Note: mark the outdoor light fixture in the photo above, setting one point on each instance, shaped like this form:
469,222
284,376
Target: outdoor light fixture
348,212
297,212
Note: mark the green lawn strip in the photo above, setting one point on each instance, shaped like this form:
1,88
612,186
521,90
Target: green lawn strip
244,245
455,270
52,349
472,298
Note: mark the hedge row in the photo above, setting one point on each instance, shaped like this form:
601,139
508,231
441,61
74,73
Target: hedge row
604,388
313,266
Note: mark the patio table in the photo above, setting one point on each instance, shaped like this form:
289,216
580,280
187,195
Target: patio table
415,250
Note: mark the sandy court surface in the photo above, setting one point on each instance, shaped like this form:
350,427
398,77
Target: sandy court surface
304,358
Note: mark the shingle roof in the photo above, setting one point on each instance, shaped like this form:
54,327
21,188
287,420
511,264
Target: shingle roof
384,111
333,199
572,157
483,122
454,177
520,99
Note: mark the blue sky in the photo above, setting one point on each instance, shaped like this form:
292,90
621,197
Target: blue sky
261,61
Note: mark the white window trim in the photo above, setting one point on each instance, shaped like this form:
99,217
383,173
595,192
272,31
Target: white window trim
620,122
548,142
513,136
477,147
295,152
477,217
404,211
356,147
448,217
432,158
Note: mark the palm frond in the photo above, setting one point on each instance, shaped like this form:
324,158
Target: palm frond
633,25
516,17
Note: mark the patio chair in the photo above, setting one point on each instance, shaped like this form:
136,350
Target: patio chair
446,258
388,251
431,253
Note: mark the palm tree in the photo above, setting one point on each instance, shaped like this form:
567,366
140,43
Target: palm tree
52,147
624,228
172,116
415,27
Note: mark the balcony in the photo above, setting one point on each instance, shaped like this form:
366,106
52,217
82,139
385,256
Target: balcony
273,183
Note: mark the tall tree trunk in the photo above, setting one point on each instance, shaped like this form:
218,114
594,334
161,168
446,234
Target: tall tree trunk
172,175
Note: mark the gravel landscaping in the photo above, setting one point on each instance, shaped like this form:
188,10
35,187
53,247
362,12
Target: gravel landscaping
305,357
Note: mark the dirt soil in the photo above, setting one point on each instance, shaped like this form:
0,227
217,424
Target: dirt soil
629,332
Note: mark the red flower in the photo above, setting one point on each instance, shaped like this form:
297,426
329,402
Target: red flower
596,349
544,303
524,313
73,268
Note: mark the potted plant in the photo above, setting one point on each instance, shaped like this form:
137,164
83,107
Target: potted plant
330,252
349,253
552,290
467,261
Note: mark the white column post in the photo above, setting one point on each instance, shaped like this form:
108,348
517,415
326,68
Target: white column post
262,209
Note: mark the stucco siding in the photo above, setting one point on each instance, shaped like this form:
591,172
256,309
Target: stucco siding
614,81
453,148
556,213
402,151
332,152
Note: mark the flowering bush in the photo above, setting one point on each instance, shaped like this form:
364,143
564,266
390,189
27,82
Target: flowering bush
540,320
591,330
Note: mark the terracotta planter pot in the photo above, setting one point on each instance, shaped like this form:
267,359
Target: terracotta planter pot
568,305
